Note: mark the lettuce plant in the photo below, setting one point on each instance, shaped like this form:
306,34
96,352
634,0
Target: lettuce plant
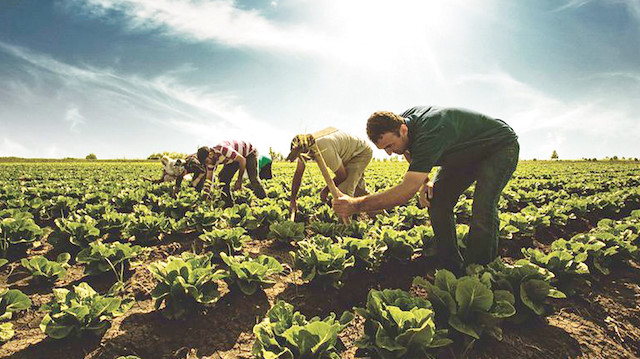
81,310
287,231
327,229
240,215
185,283
399,325
42,268
368,252
603,249
287,334
230,240
413,216
401,245
147,228
393,221
467,304
529,283
59,207
202,219
126,199
11,301
355,229
248,274
18,232
428,239
75,230
321,259
568,268
103,257
325,213
267,215
113,223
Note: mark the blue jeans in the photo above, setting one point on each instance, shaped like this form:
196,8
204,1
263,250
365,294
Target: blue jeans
491,172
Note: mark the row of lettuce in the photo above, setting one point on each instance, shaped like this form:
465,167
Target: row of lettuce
106,222
397,323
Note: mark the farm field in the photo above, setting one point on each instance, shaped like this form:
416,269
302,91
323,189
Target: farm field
99,263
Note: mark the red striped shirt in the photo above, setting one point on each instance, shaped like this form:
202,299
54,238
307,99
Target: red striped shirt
227,151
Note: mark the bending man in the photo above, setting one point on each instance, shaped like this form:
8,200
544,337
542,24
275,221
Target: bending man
235,156
469,147
346,155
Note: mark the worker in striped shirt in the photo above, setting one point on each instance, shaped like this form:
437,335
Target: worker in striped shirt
235,156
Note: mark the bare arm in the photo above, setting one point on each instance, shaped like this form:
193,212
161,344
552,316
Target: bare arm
341,175
400,194
297,179
242,161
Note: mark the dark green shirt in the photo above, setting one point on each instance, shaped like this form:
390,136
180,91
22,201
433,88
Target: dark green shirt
441,136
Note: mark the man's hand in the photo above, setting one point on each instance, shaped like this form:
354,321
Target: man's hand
345,205
426,194
238,185
324,194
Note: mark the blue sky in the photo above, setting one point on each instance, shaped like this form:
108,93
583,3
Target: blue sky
126,78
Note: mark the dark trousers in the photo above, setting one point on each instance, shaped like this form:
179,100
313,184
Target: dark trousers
228,171
265,172
491,174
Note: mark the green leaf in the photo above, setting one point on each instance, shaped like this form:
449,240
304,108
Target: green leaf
471,295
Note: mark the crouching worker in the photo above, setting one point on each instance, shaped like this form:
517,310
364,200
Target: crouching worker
469,147
177,169
346,155
235,156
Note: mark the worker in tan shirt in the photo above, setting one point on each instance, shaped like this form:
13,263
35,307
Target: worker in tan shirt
346,155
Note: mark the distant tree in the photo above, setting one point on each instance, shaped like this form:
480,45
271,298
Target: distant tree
91,156
554,155
614,158
534,159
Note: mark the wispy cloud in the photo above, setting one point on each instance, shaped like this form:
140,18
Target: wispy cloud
567,126
195,112
218,20
633,6
74,117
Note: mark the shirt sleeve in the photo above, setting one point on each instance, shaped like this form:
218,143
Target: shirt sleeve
427,148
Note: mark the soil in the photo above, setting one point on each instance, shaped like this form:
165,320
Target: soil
601,321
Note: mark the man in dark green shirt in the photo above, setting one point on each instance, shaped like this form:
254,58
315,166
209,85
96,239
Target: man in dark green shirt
469,147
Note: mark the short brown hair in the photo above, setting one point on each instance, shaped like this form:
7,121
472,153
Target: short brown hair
382,122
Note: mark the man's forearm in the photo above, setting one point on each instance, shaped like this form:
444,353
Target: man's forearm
388,199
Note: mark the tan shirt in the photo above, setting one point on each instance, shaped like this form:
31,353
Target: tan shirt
340,147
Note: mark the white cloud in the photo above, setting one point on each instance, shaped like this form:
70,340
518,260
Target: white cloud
196,112
160,100
74,117
216,20
360,33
